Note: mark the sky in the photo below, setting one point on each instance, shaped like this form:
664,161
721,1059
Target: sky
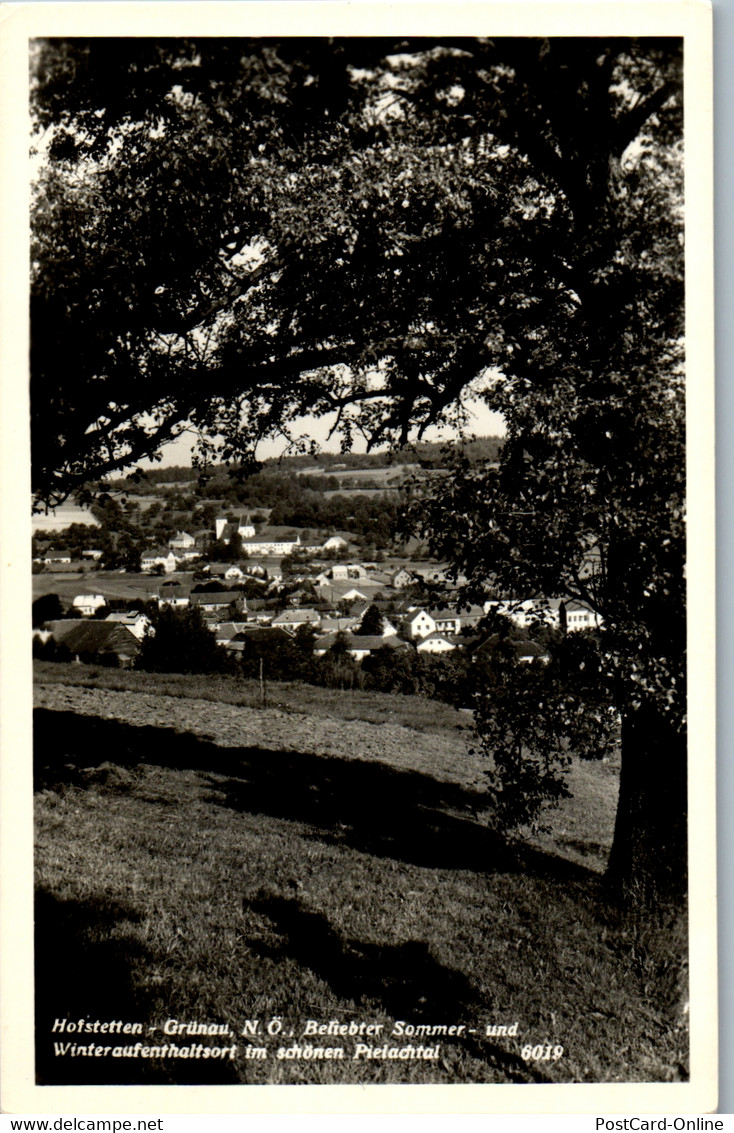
483,423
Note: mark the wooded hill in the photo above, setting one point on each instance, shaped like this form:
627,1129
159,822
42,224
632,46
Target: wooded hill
424,454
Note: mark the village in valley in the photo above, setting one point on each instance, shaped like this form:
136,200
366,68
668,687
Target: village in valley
258,587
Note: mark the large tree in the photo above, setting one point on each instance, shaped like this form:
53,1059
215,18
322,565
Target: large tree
230,233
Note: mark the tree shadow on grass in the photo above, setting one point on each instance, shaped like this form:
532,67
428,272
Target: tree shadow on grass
368,806
404,981
84,964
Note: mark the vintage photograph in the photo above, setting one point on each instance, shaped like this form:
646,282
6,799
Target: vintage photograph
360,607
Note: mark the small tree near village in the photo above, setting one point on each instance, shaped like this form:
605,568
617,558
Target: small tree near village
372,623
181,642
229,234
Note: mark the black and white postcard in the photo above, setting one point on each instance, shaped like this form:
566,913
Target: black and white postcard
358,558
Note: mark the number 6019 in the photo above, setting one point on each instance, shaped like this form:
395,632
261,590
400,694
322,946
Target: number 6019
543,1052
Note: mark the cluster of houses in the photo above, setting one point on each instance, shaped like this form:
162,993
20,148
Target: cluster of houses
272,542
344,592
116,637
331,602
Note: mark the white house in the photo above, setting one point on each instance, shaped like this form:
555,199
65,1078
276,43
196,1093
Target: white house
341,572
211,601
577,617
173,593
436,643
165,558
224,530
420,624
88,604
182,541
528,611
225,570
270,544
173,598
352,595
334,543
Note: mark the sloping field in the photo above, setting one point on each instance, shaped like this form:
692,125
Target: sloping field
221,868
62,516
109,583
386,474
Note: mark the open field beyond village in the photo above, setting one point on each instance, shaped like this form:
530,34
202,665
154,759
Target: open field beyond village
202,858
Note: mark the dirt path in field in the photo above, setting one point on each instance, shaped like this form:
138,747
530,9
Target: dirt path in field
446,758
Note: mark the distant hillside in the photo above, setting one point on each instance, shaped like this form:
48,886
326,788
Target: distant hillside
429,454
424,454
361,494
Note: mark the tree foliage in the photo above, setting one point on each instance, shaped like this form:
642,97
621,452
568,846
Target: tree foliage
372,623
181,642
232,233
46,608
237,231
532,716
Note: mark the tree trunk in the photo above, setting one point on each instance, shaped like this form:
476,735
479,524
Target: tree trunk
649,854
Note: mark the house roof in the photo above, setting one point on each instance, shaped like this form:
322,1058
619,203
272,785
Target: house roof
336,625
76,566
61,626
100,637
263,633
277,533
380,577
266,540
227,630
575,606
522,649
215,597
305,617
335,591
222,568
356,642
435,636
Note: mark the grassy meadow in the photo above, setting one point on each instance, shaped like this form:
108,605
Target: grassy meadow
415,712
112,584
179,878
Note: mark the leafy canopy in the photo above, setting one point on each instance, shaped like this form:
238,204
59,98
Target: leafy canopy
231,233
